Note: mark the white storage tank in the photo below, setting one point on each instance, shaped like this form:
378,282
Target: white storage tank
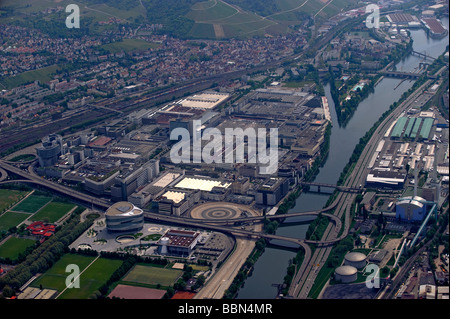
355,259
346,274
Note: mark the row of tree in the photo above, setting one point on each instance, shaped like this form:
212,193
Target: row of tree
47,253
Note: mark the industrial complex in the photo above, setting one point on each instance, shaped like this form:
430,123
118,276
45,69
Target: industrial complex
171,167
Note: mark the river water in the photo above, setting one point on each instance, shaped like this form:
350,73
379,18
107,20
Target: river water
271,267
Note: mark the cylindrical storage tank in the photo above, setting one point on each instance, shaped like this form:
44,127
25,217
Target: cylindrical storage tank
355,259
345,274
164,242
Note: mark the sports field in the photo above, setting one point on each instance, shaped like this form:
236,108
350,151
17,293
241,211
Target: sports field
14,246
9,197
133,292
31,204
92,275
52,212
11,219
55,277
149,275
95,276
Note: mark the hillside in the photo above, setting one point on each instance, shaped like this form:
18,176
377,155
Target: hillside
213,19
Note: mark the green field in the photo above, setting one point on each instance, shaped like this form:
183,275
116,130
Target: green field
149,275
31,204
55,277
129,45
8,197
95,276
42,75
11,219
14,246
52,212
23,158
91,278
217,19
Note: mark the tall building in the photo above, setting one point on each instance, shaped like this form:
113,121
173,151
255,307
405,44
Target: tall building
272,191
126,183
50,150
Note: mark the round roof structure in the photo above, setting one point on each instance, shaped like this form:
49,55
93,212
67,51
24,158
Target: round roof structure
123,209
346,270
355,257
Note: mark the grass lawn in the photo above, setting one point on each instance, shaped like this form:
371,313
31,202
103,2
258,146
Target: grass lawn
14,246
91,278
9,197
23,158
152,275
11,219
52,212
43,75
31,204
55,277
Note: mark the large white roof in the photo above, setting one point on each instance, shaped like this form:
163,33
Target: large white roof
200,184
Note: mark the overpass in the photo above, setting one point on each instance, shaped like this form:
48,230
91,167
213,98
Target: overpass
208,224
29,178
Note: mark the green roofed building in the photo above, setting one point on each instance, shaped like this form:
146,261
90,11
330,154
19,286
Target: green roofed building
399,126
416,127
409,127
426,127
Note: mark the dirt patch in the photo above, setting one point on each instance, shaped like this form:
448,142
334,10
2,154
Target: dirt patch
218,31
132,292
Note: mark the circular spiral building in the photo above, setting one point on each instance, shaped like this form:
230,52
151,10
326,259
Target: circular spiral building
124,217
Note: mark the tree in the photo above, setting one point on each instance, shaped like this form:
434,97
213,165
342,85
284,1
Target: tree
8,292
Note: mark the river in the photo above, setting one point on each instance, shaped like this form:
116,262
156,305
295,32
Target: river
271,267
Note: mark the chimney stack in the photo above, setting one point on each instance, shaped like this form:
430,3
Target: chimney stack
416,176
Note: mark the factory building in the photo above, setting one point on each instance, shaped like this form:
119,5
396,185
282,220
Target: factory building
382,178
411,209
